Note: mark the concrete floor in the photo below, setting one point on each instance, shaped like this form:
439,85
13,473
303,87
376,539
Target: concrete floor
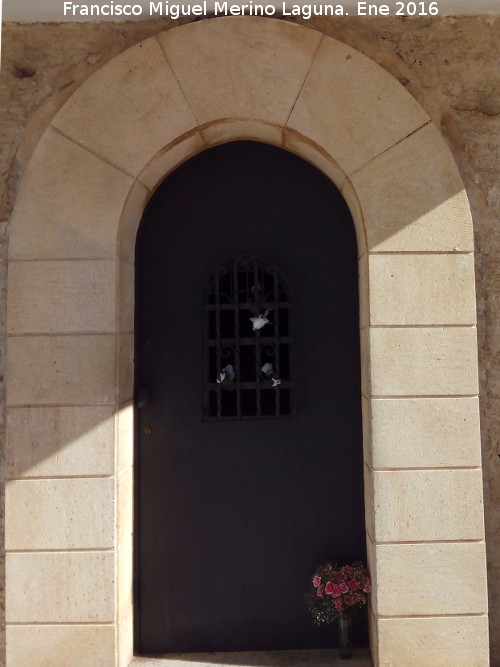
316,658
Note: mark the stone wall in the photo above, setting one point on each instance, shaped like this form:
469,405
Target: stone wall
449,65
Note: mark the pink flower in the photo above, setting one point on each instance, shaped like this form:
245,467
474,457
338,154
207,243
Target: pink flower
319,592
348,569
343,587
316,581
349,599
332,589
367,587
353,585
338,604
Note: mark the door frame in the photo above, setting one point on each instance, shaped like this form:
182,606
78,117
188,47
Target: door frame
71,250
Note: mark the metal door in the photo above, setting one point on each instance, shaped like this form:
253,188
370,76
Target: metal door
236,503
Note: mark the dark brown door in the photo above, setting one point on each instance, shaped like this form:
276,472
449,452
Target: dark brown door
235,510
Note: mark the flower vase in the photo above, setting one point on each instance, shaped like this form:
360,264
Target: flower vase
345,642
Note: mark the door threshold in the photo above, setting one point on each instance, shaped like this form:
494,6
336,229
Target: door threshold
302,658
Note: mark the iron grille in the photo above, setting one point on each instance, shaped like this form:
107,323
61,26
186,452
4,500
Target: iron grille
247,342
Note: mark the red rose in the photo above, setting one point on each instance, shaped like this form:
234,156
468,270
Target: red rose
329,588
319,592
338,604
343,587
353,585
367,587
336,591
349,599
316,581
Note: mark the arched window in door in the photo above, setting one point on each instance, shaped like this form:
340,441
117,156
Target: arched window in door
247,342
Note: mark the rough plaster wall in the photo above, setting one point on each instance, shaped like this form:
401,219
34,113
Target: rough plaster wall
450,65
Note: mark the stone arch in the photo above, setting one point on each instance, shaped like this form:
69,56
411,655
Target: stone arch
70,389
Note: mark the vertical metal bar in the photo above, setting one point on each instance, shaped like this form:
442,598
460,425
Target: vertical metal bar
258,363
248,290
217,337
276,310
205,334
236,302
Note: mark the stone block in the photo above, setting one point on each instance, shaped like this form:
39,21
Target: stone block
365,361
59,514
126,297
125,505
125,576
60,645
236,129
453,641
364,291
431,579
56,442
373,636
69,204
434,361
126,638
112,108
425,505
422,289
230,68
367,435
61,369
369,501
371,559
413,198
133,209
125,368
62,296
425,432
125,444
216,660
352,200
67,587
352,108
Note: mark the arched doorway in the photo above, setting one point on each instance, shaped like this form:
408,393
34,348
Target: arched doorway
245,487
76,217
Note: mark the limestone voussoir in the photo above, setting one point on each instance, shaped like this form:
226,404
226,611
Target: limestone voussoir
136,96
265,61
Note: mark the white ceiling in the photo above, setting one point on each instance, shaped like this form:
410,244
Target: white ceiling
52,10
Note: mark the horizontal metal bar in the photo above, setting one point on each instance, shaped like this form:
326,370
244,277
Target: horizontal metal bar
253,385
247,418
267,305
250,340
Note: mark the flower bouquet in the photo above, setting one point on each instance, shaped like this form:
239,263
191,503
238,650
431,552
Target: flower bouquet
336,593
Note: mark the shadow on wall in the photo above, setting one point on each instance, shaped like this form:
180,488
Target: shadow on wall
61,441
